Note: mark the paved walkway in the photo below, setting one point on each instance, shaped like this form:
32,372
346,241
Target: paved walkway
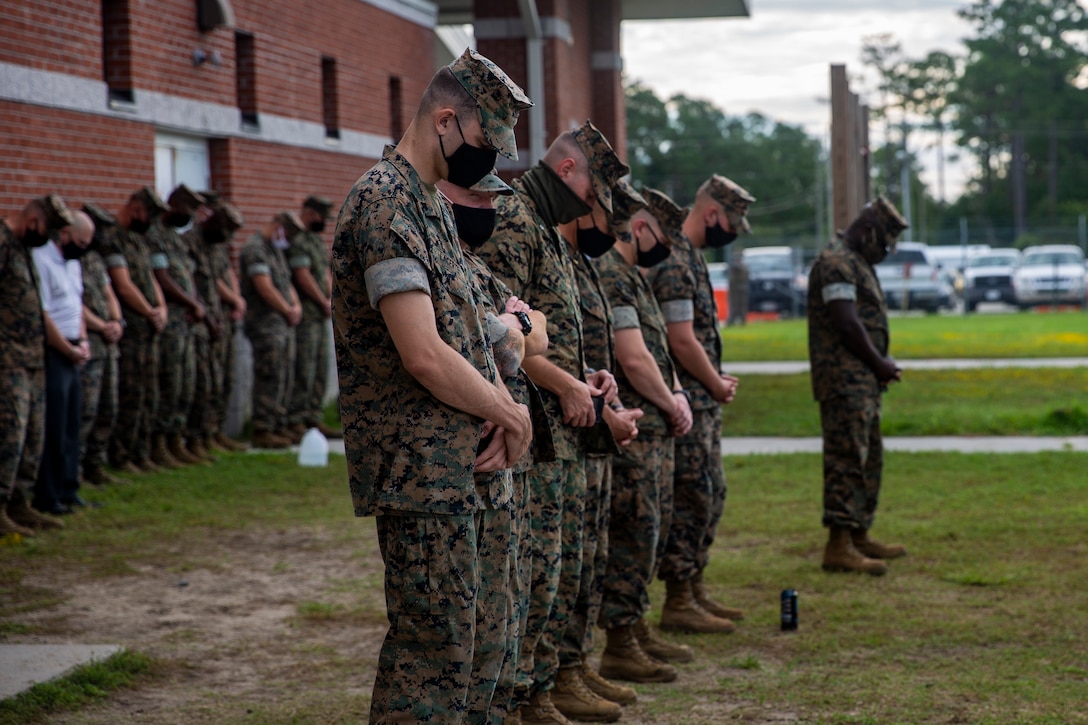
918,444
791,367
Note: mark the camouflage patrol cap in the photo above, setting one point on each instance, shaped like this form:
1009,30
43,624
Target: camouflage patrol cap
605,167
211,196
229,216
498,99
290,222
182,197
667,212
151,201
626,202
492,183
101,218
733,198
318,203
885,213
57,212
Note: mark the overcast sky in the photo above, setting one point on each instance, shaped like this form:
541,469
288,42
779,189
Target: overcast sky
777,61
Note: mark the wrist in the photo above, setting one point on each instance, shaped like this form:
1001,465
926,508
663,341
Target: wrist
682,392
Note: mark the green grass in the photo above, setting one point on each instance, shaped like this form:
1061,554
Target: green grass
985,401
77,689
1013,335
982,623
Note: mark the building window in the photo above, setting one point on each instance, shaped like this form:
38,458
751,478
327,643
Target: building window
181,159
329,101
117,50
245,52
396,119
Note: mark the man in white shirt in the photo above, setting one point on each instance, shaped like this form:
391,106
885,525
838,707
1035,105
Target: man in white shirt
66,348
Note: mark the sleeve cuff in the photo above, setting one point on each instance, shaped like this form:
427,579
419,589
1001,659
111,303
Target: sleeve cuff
390,276
678,310
625,318
840,291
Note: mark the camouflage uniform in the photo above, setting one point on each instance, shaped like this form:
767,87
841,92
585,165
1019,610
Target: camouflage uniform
22,368
577,640
207,378
410,457
847,389
223,348
272,338
311,335
177,364
138,373
641,494
681,285
99,376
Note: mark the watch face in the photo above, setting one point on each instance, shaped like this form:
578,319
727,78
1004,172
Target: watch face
526,324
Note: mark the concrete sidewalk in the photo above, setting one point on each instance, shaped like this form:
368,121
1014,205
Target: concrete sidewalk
24,665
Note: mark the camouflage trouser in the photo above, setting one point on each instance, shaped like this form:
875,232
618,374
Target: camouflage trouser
698,497
137,399
177,373
853,460
311,371
99,380
572,502
22,422
273,371
520,587
447,598
578,639
641,510
206,381
223,352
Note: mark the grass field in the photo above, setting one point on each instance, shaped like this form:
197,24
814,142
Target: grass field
982,623
984,401
1029,334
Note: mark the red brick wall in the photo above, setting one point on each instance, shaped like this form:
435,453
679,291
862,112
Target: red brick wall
56,35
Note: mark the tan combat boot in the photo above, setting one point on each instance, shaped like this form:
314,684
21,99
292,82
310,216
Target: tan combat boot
607,689
681,613
7,526
540,711
160,454
196,447
840,555
177,449
99,476
22,513
330,433
147,466
874,549
229,443
624,659
698,590
268,439
658,648
576,701
293,432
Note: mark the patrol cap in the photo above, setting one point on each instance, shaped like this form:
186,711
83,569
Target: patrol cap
57,213
667,212
605,168
492,183
318,203
733,198
229,216
151,201
102,219
885,213
498,99
290,222
183,197
626,202
211,196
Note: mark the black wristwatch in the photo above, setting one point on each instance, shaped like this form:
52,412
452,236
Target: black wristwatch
526,323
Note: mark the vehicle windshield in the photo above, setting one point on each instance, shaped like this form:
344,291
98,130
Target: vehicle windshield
992,260
763,264
1037,258
906,256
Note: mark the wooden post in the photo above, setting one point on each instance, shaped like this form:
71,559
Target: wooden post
850,183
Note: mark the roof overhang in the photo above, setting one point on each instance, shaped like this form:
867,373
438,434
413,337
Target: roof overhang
461,11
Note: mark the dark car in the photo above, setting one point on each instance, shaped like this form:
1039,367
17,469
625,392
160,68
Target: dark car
774,281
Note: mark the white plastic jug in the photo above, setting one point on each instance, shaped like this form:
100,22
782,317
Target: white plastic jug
313,449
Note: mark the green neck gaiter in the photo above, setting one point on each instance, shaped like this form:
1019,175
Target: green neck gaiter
553,198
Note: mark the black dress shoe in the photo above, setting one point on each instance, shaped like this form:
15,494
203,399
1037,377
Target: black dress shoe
75,500
57,509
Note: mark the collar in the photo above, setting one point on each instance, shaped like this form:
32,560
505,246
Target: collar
52,248
417,190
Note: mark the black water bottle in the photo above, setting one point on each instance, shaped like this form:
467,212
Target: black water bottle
789,609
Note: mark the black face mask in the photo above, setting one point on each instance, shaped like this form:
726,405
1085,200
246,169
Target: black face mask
474,225
468,164
657,254
34,238
592,242
875,247
176,219
72,251
213,235
318,226
717,237
138,226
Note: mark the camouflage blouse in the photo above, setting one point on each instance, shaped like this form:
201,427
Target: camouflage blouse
22,327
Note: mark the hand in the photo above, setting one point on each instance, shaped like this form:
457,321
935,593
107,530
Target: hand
493,457
513,442
215,329
326,308
237,314
158,318
197,312
577,404
606,383
680,420
888,371
622,423
294,315
515,305
112,331
728,389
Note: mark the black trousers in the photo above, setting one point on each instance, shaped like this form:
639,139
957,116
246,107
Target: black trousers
58,476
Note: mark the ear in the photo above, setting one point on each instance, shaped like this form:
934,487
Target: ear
710,217
443,120
566,167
